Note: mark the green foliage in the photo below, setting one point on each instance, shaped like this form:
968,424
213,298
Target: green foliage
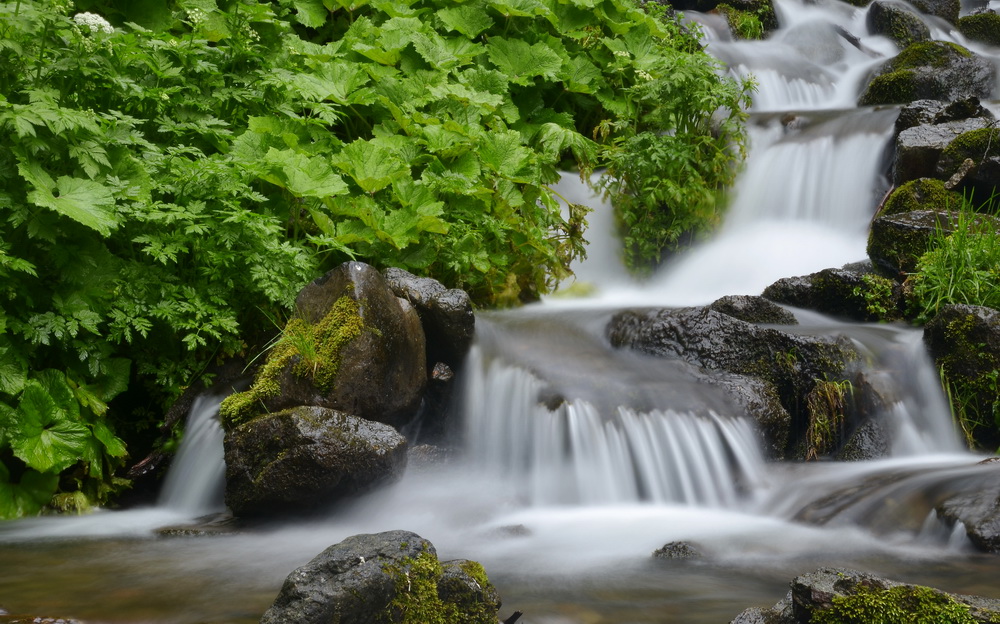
174,174
418,600
671,158
743,24
962,266
904,604
826,405
877,292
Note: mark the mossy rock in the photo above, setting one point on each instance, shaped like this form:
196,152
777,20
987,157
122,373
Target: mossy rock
897,241
897,22
982,148
981,27
947,10
919,149
749,19
937,70
921,194
848,293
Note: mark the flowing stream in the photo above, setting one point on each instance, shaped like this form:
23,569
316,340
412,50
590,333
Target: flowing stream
577,460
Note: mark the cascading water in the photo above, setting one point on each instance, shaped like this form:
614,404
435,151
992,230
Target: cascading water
579,460
197,478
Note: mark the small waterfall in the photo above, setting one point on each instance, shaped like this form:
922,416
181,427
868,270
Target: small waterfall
573,453
195,483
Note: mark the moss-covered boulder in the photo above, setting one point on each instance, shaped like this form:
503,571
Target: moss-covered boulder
921,194
754,310
936,70
898,22
838,595
964,341
919,149
306,458
896,241
931,112
983,27
749,19
353,346
972,161
790,364
387,578
853,293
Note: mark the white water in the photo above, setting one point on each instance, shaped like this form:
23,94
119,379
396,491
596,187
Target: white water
197,478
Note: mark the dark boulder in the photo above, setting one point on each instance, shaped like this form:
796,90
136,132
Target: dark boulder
898,22
791,363
947,10
384,577
979,512
854,293
304,458
678,550
897,241
982,26
971,162
354,347
930,112
964,341
446,315
760,400
753,310
918,149
838,594
935,70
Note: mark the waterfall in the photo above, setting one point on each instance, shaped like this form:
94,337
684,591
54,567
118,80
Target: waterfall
195,483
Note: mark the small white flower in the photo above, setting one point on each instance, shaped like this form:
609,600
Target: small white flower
94,22
643,74
197,16
622,53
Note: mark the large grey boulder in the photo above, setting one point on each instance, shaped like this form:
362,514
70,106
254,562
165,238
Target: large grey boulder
791,364
947,10
919,149
935,70
305,458
354,347
384,578
971,163
841,594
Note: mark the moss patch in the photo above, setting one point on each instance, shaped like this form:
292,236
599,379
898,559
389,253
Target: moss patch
743,24
311,350
827,405
984,27
418,601
921,194
903,604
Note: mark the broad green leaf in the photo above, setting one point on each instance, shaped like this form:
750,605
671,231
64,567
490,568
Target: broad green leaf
85,201
27,497
468,19
13,371
54,383
520,60
47,440
485,100
502,152
433,49
302,175
310,13
372,165
581,75
520,8
113,446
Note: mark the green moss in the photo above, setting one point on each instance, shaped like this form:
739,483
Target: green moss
879,296
975,144
743,24
418,601
904,604
826,405
928,54
313,352
984,27
892,88
921,194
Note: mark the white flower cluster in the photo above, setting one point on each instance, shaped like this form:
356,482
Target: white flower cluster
196,17
622,53
95,22
643,74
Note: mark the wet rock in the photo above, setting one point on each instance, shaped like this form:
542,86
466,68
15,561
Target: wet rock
975,157
678,550
446,315
305,458
6,618
753,310
947,10
983,26
919,149
931,112
759,399
790,363
854,293
871,440
964,341
979,511
851,595
921,194
897,241
935,70
372,577
897,22
354,347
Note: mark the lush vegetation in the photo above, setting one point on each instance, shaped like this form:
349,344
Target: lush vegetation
174,172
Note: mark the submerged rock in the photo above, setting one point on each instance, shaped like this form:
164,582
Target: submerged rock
842,595
386,577
678,550
305,458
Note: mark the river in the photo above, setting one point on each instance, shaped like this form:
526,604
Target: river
564,506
